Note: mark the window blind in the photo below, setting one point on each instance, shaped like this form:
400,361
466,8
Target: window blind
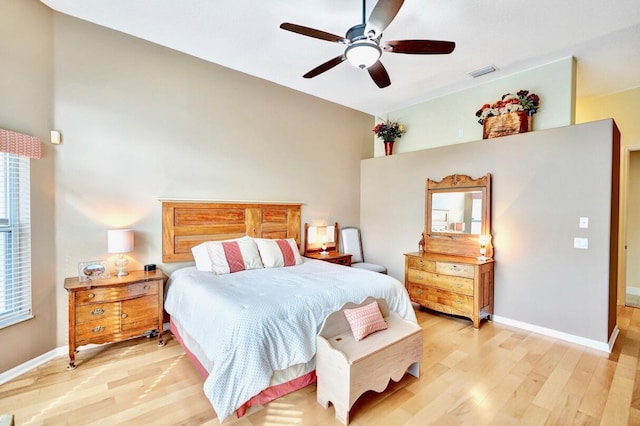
15,239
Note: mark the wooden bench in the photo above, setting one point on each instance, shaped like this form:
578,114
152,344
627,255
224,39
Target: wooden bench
347,368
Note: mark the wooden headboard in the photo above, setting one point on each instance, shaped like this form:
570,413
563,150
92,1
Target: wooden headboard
188,223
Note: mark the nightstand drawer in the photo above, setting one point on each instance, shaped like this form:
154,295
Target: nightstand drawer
99,331
342,261
139,313
96,312
107,294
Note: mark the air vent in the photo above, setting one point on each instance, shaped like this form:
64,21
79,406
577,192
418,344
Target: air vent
482,71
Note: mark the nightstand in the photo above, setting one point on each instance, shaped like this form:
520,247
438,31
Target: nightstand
332,256
114,309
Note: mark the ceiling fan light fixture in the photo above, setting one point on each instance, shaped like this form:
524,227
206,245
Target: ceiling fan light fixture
362,54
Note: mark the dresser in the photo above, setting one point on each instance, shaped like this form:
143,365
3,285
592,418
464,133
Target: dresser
114,309
451,284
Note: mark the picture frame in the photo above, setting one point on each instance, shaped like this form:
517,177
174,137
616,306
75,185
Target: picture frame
93,270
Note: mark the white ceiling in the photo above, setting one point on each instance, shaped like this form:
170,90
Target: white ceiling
514,35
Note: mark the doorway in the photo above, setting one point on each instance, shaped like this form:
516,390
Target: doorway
632,237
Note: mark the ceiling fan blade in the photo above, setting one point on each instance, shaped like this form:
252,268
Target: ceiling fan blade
311,32
382,15
419,47
379,75
325,67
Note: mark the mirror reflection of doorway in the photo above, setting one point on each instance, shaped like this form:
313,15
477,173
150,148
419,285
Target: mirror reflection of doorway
633,231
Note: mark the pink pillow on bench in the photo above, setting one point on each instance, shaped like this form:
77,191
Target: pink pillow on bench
365,320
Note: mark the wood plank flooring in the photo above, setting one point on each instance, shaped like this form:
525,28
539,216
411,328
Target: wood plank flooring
496,376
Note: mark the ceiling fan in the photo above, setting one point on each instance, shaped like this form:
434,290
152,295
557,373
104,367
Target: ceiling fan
364,47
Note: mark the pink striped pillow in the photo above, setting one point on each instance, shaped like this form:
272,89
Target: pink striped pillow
365,320
276,253
225,257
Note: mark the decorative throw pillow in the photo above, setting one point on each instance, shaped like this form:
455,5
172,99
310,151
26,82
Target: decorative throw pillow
365,320
276,253
228,256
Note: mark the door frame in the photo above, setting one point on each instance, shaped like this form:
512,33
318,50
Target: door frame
622,245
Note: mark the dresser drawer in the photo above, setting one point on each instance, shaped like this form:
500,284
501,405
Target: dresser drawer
457,269
107,294
428,296
421,264
444,282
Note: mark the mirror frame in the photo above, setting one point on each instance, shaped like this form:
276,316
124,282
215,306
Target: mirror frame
458,244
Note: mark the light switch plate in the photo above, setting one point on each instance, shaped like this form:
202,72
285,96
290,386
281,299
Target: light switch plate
581,243
584,222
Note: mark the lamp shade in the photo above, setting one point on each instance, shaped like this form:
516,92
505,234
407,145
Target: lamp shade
119,240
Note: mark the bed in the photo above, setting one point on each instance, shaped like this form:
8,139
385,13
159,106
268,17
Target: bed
252,333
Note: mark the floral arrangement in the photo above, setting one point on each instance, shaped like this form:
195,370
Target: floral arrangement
389,130
522,101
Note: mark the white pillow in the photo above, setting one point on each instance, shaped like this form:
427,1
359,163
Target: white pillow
227,256
276,253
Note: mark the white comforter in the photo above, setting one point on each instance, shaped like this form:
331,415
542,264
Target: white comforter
254,322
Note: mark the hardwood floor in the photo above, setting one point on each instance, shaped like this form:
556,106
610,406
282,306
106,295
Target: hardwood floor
499,376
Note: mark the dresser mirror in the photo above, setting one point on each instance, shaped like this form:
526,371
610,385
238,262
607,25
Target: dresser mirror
458,215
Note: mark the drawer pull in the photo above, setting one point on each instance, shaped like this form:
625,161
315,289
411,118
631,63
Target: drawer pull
98,329
124,315
419,291
98,311
91,295
455,267
457,285
421,263
420,277
147,286
458,302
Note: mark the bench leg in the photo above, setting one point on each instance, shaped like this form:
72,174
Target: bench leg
322,400
342,414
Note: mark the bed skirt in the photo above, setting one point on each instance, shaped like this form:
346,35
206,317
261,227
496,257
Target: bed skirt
266,395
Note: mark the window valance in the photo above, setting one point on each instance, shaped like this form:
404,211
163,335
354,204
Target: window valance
19,143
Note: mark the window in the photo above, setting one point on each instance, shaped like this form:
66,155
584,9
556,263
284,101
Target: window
15,239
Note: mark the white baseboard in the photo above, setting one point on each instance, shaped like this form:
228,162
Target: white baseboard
31,364
37,361
601,346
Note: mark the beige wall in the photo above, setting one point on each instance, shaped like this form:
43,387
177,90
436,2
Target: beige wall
25,85
141,122
542,183
451,119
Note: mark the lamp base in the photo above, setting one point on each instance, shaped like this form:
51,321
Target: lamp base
121,265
